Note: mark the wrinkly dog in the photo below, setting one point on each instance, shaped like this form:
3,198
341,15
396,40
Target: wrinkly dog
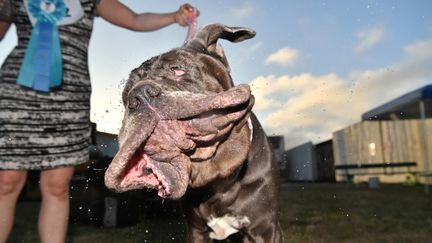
189,133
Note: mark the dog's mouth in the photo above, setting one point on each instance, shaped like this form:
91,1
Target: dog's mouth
158,142
141,172
142,163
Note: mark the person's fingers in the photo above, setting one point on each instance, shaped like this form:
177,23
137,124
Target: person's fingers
182,15
181,19
186,7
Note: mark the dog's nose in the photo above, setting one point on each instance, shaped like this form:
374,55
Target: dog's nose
142,94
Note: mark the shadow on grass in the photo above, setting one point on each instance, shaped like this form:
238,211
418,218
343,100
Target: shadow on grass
309,213
166,225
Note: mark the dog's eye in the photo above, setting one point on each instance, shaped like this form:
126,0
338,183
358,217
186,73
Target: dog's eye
178,71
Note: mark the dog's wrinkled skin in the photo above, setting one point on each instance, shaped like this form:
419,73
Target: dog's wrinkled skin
189,133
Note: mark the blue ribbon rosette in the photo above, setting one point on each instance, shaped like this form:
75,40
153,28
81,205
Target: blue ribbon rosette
42,66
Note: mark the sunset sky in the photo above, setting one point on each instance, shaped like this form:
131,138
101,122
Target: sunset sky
314,66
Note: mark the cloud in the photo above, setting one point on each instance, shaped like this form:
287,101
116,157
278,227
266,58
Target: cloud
413,71
309,107
243,11
420,50
369,38
285,57
303,107
261,90
256,46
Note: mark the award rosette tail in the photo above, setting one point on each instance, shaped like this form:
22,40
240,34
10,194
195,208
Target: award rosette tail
42,66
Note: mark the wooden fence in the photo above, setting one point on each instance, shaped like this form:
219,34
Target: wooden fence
383,142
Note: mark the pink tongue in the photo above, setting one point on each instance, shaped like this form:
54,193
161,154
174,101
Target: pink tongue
192,25
134,172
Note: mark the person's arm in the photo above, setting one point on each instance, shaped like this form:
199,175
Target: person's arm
118,14
4,26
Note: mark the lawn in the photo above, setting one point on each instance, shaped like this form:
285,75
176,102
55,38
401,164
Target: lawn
310,213
355,213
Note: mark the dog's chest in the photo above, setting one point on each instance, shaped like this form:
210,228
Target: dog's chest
222,227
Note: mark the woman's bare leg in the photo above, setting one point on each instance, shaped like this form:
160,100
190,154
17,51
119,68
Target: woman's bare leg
11,184
54,212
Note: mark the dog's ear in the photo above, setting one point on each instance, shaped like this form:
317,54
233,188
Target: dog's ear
209,34
207,37
225,140
229,156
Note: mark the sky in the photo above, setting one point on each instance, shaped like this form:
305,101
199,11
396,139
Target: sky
314,66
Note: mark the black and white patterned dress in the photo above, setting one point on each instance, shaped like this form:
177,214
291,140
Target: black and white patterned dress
47,130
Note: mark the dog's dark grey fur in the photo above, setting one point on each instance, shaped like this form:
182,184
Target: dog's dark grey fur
189,133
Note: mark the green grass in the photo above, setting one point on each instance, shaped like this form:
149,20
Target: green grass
310,213
355,213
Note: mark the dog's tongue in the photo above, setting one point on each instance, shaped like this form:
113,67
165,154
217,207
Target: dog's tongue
192,25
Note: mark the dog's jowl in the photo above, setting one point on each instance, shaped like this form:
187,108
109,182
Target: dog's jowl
189,134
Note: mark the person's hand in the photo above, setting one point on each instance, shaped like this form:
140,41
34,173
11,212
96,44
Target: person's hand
182,15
